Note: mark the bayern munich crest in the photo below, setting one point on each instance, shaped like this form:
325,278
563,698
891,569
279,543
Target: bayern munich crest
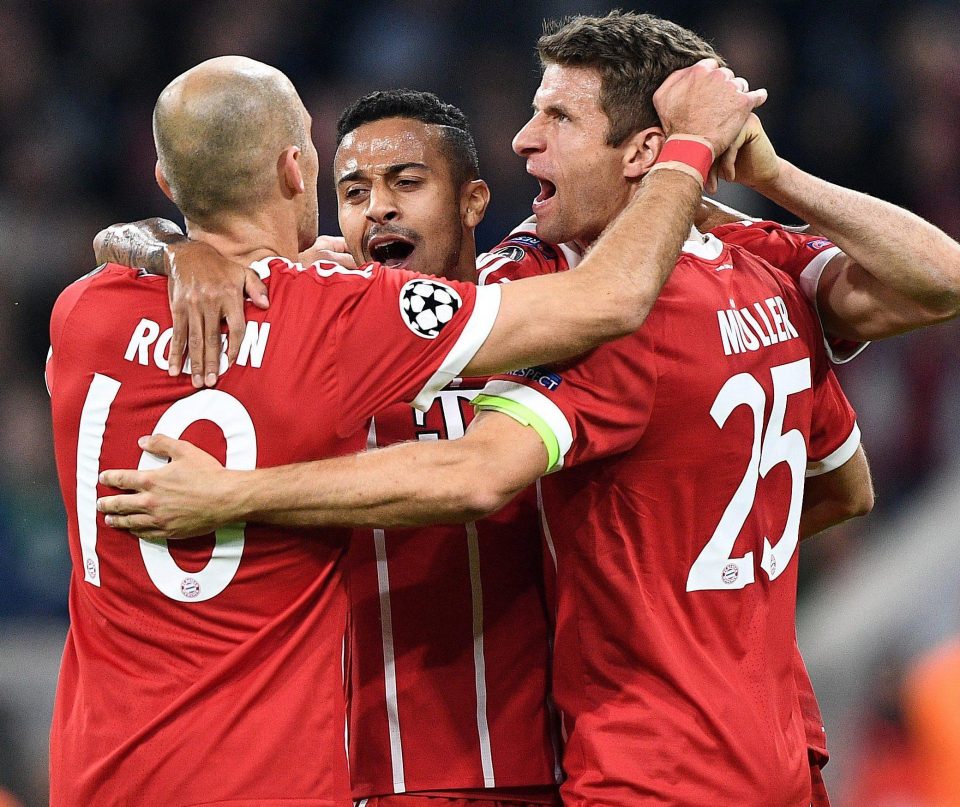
427,306
190,587
730,573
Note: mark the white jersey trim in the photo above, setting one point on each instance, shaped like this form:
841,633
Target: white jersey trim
541,405
809,283
485,311
322,268
479,660
810,276
389,657
838,457
570,251
702,245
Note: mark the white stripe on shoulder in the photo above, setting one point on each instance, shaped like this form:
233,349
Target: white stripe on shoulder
539,404
810,276
809,283
329,269
838,457
485,311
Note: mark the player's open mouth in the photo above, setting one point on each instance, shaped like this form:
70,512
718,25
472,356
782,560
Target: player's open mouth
547,191
390,250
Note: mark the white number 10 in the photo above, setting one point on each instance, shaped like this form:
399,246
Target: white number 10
714,568
218,407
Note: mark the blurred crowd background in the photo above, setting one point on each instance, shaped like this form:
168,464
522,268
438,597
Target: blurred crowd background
865,94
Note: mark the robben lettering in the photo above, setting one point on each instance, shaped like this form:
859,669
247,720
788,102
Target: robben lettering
148,344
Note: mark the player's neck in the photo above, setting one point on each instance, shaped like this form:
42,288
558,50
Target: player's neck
246,240
465,268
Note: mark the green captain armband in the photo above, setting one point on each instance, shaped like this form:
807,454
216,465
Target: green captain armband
526,417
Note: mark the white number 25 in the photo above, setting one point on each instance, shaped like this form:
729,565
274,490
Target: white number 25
714,568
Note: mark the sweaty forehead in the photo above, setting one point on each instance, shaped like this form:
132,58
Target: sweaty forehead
376,147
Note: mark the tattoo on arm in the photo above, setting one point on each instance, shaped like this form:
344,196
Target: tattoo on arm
140,243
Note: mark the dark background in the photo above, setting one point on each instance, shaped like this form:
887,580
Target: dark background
864,94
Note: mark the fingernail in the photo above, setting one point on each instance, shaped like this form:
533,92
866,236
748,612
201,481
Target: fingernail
100,479
108,520
100,504
211,379
198,381
172,371
142,442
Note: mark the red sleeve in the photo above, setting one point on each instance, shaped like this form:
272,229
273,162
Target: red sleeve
62,310
593,407
834,434
521,254
407,337
797,254
801,256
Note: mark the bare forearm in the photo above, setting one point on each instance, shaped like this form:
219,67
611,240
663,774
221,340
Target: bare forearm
404,485
139,243
639,249
901,250
373,489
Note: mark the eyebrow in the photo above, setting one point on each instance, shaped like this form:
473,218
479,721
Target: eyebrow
553,109
391,170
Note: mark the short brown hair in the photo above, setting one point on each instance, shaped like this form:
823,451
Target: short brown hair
634,54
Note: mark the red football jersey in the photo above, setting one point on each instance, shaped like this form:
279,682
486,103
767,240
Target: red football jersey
450,621
675,525
801,256
449,640
210,671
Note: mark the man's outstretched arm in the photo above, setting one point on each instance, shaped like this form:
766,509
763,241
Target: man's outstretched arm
455,481
897,272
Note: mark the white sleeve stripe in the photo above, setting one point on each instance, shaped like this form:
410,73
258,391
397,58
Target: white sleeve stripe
810,276
838,457
472,337
809,283
540,405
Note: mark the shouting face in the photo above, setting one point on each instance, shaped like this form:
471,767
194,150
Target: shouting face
399,202
582,181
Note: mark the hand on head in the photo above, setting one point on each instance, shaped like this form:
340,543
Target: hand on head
708,101
750,159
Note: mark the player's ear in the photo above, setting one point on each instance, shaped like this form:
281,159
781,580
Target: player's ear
474,198
162,182
288,167
640,151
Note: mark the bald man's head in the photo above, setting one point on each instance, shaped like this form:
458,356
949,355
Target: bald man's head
220,129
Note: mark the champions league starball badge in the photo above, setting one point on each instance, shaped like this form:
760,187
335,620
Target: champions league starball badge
427,306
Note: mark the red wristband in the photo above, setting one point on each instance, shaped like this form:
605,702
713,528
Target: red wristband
688,151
